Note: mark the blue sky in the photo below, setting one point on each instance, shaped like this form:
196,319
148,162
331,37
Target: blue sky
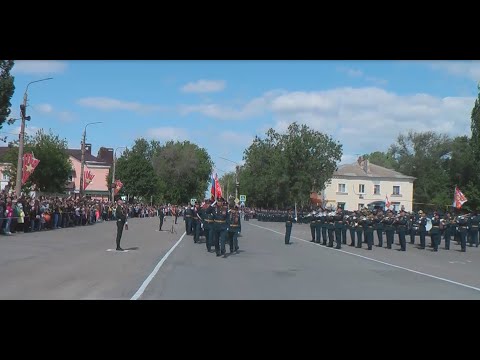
222,105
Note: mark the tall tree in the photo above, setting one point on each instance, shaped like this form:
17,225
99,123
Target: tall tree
475,138
284,168
379,158
134,168
183,169
52,172
7,89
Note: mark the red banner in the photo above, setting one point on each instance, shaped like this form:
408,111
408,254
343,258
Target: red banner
87,177
118,186
458,198
29,165
218,188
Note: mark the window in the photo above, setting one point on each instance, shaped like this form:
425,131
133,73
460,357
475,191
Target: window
361,188
341,188
396,190
396,206
376,190
360,206
341,205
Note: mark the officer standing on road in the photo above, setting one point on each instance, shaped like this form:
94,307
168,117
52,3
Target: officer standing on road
422,228
121,221
378,225
288,226
435,231
402,228
161,215
473,229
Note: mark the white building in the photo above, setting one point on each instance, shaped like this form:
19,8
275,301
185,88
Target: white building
354,186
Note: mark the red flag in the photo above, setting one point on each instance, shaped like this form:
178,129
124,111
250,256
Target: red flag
387,203
218,189
29,165
87,177
118,186
458,198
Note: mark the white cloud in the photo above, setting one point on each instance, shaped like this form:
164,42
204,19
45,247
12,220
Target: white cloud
109,104
229,137
468,69
360,74
65,116
29,130
44,108
204,86
362,119
168,133
39,66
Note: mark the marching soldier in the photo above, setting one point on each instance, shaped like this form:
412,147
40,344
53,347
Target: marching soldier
188,219
196,223
318,225
220,217
401,229
378,225
344,228
422,230
413,227
368,227
313,221
233,227
288,226
435,231
351,226
449,228
389,229
462,224
209,226
473,229
324,226
359,229
338,220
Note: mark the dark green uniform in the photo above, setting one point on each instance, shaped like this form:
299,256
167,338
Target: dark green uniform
422,231
196,225
473,230
378,225
448,231
313,222
318,227
368,228
462,225
359,230
389,230
209,228
233,229
402,229
220,216
121,220
188,220
338,221
351,226
344,229
288,228
435,233
324,226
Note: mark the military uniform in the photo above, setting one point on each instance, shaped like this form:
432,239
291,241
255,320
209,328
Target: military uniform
233,228
389,229
473,229
378,225
435,232
359,230
220,216
288,227
318,227
402,229
121,221
368,228
462,225
448,230
188,220
324,227
422,228
351,226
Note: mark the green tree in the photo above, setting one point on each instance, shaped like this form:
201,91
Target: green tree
425,156
284,168
54,168
228,184
384,159
475,127
183,170
7,89
134,169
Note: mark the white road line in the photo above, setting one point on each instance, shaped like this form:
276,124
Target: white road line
154,272
378,261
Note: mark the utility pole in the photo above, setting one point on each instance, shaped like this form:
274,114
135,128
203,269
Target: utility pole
237,183
114,170
21,138
82,166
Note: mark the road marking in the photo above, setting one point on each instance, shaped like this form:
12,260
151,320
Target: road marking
118,251
378,261
155,270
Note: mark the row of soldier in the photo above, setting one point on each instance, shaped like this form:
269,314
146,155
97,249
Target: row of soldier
327,227
217,221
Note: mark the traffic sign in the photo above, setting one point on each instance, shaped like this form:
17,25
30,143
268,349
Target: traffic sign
243,198
237,201
192,201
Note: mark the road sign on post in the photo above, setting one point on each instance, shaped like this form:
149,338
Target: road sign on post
192,201
243,198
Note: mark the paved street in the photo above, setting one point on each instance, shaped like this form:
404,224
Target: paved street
75,264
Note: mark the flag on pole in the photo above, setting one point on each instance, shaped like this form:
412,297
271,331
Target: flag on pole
296,217
458,198
212,189
218,188
118,186
387,203
87,177
29,165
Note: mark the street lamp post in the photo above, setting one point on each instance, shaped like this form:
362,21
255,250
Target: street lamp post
114,169
21,137
82,166
237,183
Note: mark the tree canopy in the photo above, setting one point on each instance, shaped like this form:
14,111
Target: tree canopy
7,89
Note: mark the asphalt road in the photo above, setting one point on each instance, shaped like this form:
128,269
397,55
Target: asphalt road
76,264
